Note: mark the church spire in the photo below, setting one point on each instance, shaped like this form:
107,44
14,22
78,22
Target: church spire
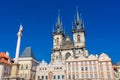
78,24
77,14
53,29
59,24
59,21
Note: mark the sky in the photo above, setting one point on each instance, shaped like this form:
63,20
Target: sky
101,19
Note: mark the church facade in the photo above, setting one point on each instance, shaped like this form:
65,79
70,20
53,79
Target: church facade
70,60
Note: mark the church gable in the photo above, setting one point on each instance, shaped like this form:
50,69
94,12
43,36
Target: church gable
104,56
92,56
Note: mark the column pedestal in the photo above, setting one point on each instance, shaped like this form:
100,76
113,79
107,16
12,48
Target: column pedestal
14,72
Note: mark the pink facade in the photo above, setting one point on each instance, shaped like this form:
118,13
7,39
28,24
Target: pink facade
89,68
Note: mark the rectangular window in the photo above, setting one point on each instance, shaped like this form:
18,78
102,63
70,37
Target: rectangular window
107,68
90,62
69,68
82,69
86,68
108,76
68,63
73,76
21,75
58,77
81,63
86,75
95,68
106,63
62,76
94,62
76,63
91,75
100,63
102,75
101,68
69,77
95,75
77,76
90,68
76,68
82,76
54,77
42,77
73,69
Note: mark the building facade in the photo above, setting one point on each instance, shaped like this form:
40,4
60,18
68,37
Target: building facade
70,59
27,65
5,65
47,71
89,68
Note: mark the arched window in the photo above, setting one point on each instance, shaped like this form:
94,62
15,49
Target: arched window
57,41
78,38
67,55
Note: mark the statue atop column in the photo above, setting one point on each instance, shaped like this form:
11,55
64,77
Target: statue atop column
18,43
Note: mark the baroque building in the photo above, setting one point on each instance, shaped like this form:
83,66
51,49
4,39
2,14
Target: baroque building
70,60
89,68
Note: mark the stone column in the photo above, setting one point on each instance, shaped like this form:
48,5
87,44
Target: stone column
15,66
18,43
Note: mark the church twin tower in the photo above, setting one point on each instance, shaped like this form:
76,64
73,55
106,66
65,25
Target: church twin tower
63,46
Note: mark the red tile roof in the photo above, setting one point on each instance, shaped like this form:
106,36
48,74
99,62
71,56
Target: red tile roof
4,58
2,54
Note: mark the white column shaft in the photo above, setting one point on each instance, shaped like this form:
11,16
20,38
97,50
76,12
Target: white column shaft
18,48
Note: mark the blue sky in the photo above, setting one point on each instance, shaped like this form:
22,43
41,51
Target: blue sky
101,18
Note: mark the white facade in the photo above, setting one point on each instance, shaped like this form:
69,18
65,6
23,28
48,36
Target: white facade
57,69
5,70
27,68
